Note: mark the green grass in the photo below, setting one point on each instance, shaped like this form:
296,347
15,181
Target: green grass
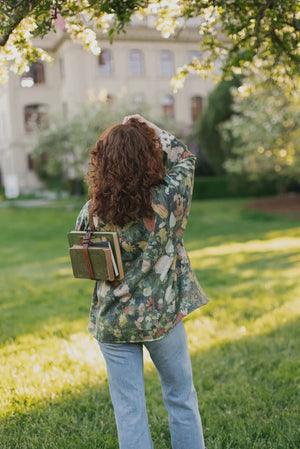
244,344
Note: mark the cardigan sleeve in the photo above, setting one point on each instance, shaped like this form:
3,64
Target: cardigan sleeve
82,222
171,200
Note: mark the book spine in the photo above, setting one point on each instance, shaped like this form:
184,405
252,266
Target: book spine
109,264
118,256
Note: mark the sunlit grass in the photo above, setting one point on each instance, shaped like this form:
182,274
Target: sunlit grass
254,286
53,387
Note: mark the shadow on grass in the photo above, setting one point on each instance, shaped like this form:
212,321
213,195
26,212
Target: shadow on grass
34,307
247,391
47,299
214,223
247,398
248,285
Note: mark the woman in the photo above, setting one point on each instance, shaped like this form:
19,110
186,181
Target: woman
141,182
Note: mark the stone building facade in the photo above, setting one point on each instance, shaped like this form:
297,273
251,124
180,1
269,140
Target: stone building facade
137,66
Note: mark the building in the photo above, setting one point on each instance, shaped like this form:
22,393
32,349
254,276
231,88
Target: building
138,65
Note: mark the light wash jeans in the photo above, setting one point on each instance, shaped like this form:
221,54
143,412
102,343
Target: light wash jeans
124,363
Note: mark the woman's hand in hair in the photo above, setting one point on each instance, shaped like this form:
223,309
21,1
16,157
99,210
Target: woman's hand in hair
143,120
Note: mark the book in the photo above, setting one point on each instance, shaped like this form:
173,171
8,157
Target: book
103,252
101,262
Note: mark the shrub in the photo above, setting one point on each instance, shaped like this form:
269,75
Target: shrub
207,134
206,187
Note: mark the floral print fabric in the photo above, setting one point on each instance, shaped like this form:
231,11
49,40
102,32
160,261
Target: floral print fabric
159,287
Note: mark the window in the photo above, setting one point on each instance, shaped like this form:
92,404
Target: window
34,76
30,162
191,55
196,107
105,62
168,106
165,63
110,99
35,117
136,63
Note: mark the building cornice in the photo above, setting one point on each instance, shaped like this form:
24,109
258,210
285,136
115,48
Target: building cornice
53,41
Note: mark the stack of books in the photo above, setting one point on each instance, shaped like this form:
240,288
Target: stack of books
103,253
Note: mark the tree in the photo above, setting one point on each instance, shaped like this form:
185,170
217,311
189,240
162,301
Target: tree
242,34
207,134
20,20
247,36
266,131
61,152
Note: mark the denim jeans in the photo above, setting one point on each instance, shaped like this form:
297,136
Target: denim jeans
170,355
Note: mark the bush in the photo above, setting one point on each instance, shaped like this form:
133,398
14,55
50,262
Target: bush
265,134
207,134
211,187
206,187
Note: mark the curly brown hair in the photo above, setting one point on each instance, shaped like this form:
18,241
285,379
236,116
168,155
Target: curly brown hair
126,164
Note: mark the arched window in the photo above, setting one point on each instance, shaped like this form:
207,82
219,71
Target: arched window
105,62
165,63
196,107
35,117
136,63
34,76
168,106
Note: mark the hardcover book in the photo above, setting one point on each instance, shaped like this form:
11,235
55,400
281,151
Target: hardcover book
103,252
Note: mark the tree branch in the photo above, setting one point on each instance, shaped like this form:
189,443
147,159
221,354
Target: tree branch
14,22
260,16
13,19
276,39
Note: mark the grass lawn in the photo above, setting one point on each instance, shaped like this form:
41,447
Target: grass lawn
244,344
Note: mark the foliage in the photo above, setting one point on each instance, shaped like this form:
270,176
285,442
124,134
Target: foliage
244,343
206,187
229,186
246,36
240,33
218,110
22,20
266,131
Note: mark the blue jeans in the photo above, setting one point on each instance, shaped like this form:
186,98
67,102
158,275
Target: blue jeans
170,355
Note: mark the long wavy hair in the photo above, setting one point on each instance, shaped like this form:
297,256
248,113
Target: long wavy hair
126,164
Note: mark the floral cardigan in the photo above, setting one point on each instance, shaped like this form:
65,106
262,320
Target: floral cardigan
159,287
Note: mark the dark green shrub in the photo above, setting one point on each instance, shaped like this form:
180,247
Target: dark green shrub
226,186
207,135
212,187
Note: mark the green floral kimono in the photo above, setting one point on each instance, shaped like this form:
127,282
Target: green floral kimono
159,287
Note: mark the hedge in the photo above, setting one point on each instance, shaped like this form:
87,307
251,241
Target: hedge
229,187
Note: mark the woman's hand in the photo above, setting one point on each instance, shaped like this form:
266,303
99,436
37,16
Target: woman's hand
143,120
